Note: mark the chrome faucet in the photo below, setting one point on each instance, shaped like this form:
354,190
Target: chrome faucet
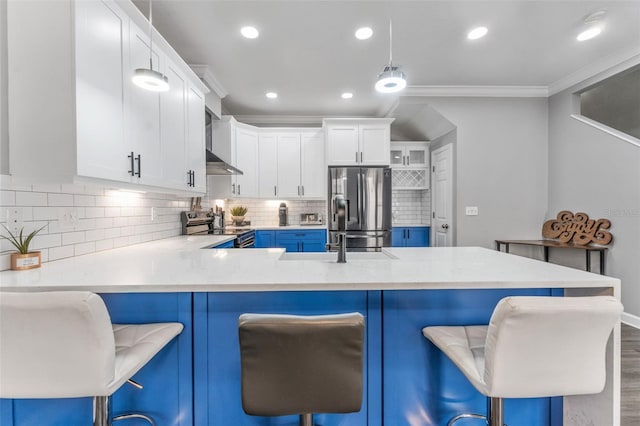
340,207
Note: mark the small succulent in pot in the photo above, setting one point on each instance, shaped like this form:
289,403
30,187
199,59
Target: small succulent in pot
237,214
23,258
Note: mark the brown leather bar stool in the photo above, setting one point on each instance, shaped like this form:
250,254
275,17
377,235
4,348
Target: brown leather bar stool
301,364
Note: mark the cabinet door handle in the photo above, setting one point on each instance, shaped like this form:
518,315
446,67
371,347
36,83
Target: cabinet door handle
189,178
238,189
131,157
193,178
233,188
408,234
298,190
356,156
139,160
403,157
361,156
275,190
408,162
303,190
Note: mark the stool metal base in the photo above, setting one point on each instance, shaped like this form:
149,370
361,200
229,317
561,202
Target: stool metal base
102,413
306,419
495,414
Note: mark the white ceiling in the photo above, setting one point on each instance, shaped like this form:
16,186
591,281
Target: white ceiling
308,54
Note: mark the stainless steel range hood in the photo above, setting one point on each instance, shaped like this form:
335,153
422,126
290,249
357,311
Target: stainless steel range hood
216,166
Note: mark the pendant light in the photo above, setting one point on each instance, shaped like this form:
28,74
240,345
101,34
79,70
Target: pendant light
147,78
391,79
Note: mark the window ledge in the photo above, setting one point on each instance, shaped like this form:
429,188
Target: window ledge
604,128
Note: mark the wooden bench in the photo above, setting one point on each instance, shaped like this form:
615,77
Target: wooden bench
572,232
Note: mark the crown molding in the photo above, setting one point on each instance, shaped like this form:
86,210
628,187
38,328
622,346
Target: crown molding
210,80
478,91
612,64
281,119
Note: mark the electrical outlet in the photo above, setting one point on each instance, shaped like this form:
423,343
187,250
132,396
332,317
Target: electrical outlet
68,217
472,211
14,219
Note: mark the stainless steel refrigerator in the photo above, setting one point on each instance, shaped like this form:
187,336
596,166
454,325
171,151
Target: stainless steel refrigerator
367,191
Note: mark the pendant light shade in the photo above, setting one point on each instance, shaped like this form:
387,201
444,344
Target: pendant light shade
148,78
391,79
151,80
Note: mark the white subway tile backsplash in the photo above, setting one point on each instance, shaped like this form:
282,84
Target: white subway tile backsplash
60,200
94,235
104,245
46,187
31,198
84,200
61,252
411,207
73,238
92,212
45,213
7,198
84,248
42,241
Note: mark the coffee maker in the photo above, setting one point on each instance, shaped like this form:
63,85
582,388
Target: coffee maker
282,214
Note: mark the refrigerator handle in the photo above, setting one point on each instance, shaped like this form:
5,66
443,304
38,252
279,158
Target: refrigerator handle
359,196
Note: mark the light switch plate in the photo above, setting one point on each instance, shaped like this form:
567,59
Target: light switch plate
472,211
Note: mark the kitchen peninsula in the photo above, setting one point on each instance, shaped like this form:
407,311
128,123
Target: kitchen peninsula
195,381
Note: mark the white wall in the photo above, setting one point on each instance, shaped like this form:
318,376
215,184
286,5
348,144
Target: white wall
596,173
501,166
4,133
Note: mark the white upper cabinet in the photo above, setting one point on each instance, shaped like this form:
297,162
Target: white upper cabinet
195,149
100,90
268,165
410,164
144,138
173,130
292,163
409,155
353,142
313,167
99,127
246,159
289,165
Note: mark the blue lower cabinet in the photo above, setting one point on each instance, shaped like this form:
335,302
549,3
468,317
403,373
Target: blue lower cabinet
218,399
167,395
265,239
421,385
228,244
312,240
410,236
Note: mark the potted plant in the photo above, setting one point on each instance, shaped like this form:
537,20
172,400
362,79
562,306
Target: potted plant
237,214
23,258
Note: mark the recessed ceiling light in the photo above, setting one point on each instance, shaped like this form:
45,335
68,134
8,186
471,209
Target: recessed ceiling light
593,25
347,95
249,32
272,95
364,33
477,33
589,33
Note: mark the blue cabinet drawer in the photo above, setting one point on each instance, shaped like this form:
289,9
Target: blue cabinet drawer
314,234
410,236
313,240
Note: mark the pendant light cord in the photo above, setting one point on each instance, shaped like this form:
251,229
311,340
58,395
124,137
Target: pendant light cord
151,35
390,44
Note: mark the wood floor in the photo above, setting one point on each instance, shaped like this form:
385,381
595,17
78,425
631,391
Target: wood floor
630,404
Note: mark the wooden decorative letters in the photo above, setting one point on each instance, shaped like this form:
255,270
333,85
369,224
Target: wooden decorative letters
578,229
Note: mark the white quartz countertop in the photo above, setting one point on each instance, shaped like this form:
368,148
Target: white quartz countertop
278,228
181,264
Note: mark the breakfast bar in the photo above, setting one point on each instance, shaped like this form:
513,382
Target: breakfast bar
195,379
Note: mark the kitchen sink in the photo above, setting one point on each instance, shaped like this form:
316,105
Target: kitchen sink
333,256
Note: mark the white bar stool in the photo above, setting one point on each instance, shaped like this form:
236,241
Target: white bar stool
533,347
63,345
301,364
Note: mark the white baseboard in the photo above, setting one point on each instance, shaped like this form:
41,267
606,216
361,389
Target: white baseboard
632,320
